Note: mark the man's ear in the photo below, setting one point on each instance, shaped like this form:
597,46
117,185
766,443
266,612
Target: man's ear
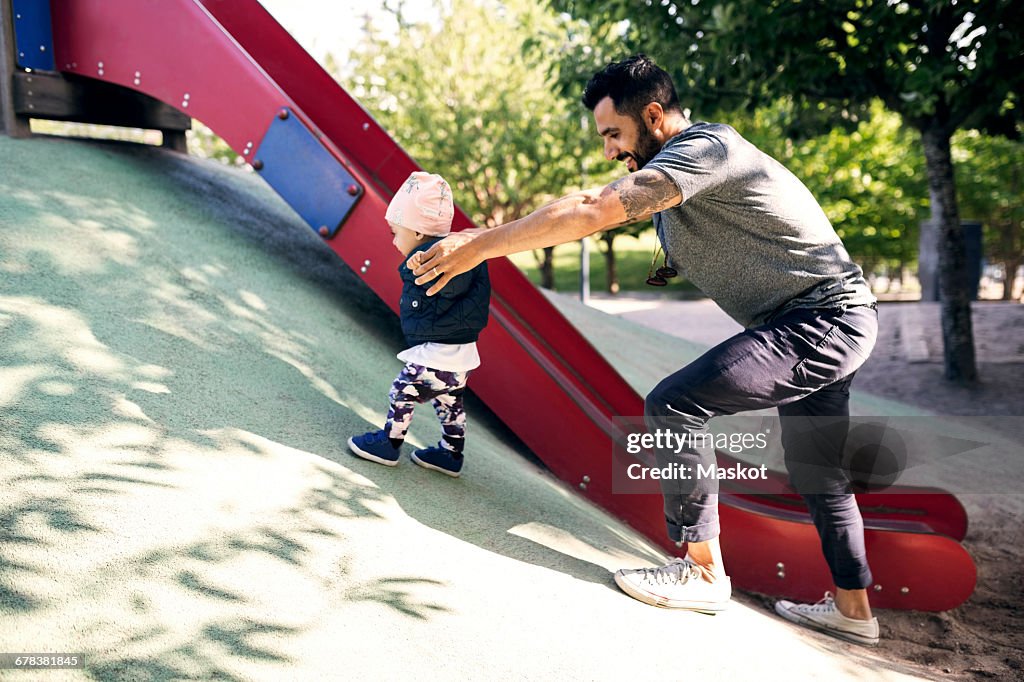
653,116
420,236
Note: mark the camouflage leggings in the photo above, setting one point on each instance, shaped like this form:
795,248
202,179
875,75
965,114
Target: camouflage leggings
418,384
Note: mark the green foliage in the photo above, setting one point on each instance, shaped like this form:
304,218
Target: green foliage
470,96
206,144
957,64
990,182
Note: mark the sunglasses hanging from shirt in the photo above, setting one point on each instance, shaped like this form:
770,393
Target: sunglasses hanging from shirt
660,277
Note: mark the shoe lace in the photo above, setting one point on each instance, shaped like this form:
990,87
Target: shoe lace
824,605
677,572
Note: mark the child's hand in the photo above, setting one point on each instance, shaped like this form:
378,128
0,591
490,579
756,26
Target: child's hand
414,260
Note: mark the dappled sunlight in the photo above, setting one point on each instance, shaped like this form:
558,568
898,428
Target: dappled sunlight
403,594
75,246
572,545
61,332
186,554
14,381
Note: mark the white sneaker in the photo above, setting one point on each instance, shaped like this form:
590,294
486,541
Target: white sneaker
677,585
825,617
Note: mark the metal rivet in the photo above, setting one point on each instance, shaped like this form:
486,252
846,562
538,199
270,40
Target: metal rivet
878,588
780,566
17,16
42,48
586,479
29,79
366,126
362,269
583,486
353,190
31,106
283,114
100,64
257,164
29,93
780,575
366,262
905,590
323,231
188,96
21,54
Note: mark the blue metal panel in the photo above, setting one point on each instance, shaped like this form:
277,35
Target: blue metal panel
306,175
33,34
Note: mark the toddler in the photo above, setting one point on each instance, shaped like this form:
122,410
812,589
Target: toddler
441,331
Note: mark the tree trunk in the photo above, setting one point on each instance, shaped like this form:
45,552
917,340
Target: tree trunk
547,268
954,298
610,267
1010,266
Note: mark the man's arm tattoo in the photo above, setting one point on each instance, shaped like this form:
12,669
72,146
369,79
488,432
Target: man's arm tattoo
644,193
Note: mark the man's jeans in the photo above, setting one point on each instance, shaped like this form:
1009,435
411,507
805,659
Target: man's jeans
803,363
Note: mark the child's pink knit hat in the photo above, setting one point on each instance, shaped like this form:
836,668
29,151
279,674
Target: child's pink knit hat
423,204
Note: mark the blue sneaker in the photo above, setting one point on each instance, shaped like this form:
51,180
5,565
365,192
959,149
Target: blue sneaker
376,447
439,459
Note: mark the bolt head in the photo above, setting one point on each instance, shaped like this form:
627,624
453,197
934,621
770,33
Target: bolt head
353,190
257,164
283,114
323,231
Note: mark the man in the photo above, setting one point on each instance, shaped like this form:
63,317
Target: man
746,231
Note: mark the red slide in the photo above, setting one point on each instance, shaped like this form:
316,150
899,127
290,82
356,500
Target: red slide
229,64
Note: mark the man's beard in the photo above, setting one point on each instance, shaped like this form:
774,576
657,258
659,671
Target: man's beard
647,147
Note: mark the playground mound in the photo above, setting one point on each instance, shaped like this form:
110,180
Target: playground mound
182,360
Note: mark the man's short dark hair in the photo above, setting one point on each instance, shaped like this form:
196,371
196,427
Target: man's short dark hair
632,84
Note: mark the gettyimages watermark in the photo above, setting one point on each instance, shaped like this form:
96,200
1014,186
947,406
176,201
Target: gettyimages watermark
676,443
780,455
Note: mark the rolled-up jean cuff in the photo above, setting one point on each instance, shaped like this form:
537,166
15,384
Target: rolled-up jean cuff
702,533
862,581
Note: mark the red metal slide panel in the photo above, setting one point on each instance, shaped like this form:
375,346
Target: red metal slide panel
314,90
897,506
548,384
174,51
780,556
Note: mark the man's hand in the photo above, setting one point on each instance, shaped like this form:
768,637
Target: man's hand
445,260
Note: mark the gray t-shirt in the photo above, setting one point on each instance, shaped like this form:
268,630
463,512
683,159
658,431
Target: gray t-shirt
748,233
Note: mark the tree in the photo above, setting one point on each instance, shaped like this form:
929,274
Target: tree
943,65
991,189
470,96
